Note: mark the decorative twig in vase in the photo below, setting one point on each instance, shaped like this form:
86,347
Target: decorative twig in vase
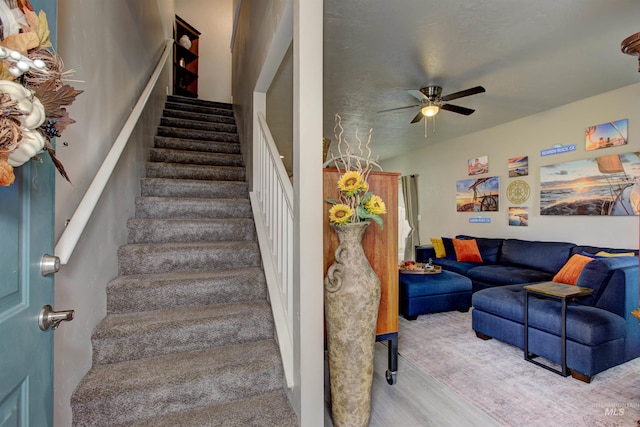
355,202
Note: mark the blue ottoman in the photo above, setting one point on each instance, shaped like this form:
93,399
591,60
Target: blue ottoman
431,293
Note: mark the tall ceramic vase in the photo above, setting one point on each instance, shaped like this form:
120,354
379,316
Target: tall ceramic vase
351,300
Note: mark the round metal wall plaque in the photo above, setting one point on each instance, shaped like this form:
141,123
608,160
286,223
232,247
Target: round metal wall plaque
518,191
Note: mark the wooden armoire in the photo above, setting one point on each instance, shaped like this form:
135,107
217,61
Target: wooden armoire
381,248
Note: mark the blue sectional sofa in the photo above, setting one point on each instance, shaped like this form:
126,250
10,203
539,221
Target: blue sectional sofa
601,331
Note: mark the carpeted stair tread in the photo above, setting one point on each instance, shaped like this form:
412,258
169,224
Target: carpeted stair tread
123,392
148,230
198,134
136,335
167,187
191,115
216,111
140,292
184,207
269,409
194,256
200,172
196,145
198,125
195,157
184,100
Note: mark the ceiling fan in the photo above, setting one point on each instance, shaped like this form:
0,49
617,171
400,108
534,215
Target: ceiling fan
432,101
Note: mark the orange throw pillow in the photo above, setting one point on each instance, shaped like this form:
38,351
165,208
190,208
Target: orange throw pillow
570,272
467,250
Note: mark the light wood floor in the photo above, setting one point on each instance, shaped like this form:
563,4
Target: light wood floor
416,400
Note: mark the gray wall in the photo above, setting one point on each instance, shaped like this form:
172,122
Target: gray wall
257,24
113,46
439,167
280,110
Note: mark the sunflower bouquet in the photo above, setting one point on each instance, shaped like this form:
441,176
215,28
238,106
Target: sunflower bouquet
355,202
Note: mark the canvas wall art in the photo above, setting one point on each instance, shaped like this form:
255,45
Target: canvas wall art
478,195
605,185
478,165
518,166
519,216
610,134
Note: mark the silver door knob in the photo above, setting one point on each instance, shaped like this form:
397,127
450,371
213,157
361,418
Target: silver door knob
51,319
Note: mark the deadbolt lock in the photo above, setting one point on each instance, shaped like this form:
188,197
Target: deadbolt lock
49,264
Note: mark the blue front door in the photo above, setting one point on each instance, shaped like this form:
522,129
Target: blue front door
26,234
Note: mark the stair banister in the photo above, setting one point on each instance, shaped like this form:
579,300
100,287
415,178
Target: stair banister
69,238
272,204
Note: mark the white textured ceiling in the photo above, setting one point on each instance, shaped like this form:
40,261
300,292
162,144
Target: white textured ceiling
530,56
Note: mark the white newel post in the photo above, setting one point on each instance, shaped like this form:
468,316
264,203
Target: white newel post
307,165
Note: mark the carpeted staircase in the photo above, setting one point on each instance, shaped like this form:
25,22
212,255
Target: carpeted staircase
188,339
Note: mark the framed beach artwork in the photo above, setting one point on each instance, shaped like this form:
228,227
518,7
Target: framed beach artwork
478,165
518,166
478,195
519,216
606,185
606,135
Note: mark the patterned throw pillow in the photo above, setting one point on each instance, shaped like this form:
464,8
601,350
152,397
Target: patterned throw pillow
570,272
467,250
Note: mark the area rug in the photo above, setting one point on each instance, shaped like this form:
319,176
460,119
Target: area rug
494,377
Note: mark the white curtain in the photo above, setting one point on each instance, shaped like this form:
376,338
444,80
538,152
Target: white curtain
410,193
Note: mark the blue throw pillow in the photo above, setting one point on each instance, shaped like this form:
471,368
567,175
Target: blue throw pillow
595,249
594,275
589,254
448,248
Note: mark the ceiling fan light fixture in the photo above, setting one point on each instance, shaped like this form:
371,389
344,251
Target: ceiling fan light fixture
631,46
430,110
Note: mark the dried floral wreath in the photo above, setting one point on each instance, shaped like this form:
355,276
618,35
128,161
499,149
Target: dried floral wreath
32,92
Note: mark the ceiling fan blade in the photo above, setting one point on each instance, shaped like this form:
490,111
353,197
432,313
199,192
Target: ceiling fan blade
417,94
457,109
399,108
418,117
463,93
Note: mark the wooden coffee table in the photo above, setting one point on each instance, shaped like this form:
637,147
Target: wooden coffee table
558,291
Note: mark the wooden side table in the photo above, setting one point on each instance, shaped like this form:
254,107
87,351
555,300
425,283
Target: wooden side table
561,292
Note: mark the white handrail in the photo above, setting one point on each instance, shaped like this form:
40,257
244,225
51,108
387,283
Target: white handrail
236,20
272,204
67,242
